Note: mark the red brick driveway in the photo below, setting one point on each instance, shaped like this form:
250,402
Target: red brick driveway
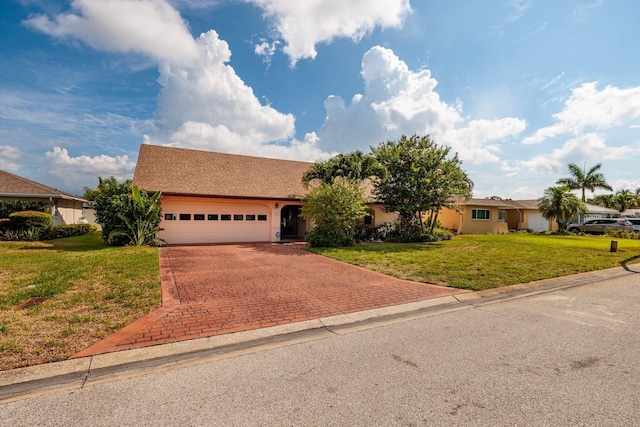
221,289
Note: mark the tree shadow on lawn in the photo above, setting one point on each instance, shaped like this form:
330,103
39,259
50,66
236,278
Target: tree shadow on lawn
624,263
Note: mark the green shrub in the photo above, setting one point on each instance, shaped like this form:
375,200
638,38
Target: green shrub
69,230
29,225
7,208
335,209
30,219
621,234
322,236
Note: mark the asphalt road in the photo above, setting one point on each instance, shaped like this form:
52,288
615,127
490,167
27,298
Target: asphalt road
568,357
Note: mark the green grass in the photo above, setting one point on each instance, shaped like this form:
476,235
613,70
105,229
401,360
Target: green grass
92,290
484,261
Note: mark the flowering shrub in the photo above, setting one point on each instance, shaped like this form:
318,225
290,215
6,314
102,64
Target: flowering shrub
421,177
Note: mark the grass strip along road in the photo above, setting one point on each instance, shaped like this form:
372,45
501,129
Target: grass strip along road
92,290
484,261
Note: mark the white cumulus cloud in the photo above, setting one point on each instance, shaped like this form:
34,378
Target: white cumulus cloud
150,27
7,156
205,105
400,101
71,171
304,24
589,147
591,109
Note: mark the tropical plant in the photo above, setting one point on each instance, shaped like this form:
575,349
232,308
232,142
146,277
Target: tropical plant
127,215
420,177
335,209
623,200
142,226
560,204
355,166
581,179
604,200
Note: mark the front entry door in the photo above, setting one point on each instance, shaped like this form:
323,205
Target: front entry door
289,221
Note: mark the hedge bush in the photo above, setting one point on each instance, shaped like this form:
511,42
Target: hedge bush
25,221
621,234
69,230
9,207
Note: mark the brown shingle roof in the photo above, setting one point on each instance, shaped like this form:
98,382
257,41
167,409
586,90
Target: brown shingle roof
206,173
17,186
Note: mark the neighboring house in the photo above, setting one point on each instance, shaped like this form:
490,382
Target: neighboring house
494,216
210,197
500,216
632,213
595,211
65,208
474,216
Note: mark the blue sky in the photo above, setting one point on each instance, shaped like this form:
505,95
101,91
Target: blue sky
519,88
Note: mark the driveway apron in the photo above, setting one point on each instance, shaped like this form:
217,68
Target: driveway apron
222,289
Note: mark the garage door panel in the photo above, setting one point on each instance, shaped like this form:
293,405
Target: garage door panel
538,223
216,223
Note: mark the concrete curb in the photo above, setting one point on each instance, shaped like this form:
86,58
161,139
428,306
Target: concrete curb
76,373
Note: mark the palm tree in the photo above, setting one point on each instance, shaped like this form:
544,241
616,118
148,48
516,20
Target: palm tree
354,166
584,180
560,204
625,199
604,200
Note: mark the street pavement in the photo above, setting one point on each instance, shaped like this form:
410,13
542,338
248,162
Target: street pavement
543,356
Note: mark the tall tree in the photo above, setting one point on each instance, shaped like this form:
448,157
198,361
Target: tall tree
421,177
560,204
604,200
355,166
581,179
624,199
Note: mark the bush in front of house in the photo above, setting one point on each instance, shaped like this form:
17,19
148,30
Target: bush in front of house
9,207
26,225
69,230
335,209
621,234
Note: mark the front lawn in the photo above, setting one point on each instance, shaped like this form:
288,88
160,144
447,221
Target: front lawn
483,261
92,290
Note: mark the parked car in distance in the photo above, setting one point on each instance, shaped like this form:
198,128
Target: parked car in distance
598,226
635,223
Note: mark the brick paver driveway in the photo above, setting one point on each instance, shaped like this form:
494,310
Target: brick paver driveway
221,289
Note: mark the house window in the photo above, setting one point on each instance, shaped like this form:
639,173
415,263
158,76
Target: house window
250,217
225,217
198,217
169,217
185,217
237,217
262,217
212,217
502,216
481,214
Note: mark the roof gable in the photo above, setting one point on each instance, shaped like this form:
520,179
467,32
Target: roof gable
17,186
206,173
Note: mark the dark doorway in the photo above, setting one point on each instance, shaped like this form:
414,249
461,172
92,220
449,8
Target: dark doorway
291,224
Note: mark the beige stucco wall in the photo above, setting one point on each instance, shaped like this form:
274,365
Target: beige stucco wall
461,221
67,212
449,219
380,216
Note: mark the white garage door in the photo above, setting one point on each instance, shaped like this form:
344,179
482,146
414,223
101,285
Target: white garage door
203,221
538,223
